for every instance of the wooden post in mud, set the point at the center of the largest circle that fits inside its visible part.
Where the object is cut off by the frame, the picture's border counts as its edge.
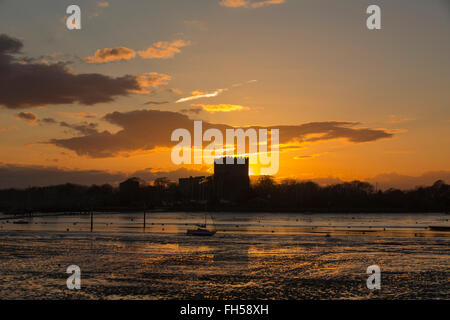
(145, 213)
(144, 219)
(92, 220)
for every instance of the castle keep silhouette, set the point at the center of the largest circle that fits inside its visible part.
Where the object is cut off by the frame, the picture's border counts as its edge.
(230, 182)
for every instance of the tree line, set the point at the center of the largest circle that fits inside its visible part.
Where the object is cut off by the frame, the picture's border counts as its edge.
(265, 194)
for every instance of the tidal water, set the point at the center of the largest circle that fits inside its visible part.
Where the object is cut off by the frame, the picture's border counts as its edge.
(252, 256)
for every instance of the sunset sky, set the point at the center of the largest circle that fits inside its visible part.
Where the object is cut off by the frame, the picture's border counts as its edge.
(99, 104)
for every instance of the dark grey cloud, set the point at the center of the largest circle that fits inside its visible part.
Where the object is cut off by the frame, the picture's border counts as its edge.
(194, 110)
(29, 84)
(155, 102)
(142, 130)
(399, 181)
(48, 121)
(173, 175)
(333, 130)
(9, 45)
(385, 181)
(149, 129)
(85, 128)
(27, 116)
(19, 176)
(16, 176)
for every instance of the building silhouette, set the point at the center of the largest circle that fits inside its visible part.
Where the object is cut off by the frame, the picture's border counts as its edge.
(130, 189)
(231, 180)
(192, 188)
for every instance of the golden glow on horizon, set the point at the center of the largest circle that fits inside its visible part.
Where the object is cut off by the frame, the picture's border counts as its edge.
(304, 75)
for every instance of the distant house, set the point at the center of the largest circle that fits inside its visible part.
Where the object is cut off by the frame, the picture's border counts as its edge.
(192, 188)
(130, 189)
(131, 184)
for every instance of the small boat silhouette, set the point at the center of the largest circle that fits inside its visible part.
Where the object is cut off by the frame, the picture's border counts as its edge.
(201, 231)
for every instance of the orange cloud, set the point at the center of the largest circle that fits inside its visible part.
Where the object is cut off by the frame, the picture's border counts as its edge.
(198, 93)
(111, 54)
(260, 4)
(163, 49)
(150, 79)
(221, 107)
(248, 3)
(234, 3)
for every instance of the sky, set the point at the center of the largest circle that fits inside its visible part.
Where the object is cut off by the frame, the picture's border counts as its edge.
(99, 104)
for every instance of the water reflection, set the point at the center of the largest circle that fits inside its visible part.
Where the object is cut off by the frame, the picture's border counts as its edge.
(381, 225)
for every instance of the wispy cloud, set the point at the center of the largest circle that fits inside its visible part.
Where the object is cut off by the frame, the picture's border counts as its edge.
(248, 3)
(309, 156)
(194, 110)
(79, 115)
(101, 5)
(240, 84)
(395, 119)
(85, 128)
(200, 25)
(212, 108)
(174, 91)
(260, 4)
(155, 102)
(198, 94)
(234, 3)
(201, 94)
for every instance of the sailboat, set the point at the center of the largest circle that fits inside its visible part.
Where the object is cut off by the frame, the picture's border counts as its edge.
(201, 231)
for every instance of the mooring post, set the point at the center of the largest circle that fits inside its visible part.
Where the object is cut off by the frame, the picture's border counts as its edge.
(144, 219)
(92, 220)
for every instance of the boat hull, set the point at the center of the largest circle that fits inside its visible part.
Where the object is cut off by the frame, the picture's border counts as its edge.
(201, 233)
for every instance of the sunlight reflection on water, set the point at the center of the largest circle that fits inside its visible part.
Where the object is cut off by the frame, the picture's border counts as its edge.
(179, 222)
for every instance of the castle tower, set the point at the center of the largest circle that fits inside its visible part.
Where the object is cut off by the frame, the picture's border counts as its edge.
(231, 179)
